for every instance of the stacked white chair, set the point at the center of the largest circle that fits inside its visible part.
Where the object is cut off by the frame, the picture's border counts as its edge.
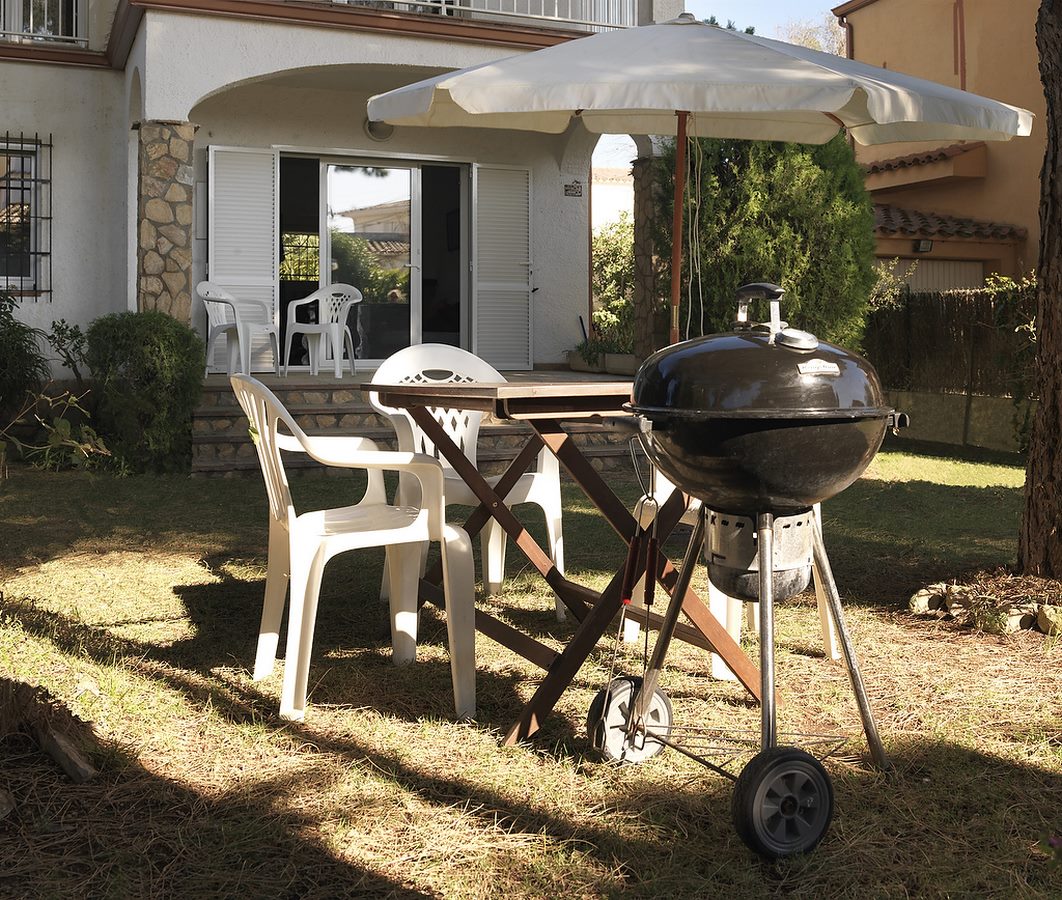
(300, 544)
(240, 321)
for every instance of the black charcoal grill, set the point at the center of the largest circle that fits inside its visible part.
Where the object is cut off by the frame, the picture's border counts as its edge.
(761, 424)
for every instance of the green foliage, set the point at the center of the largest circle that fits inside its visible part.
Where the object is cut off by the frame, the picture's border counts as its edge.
(69, 342)
(23, 367)
(53, 432)
(1014, 306)
(890, 286)
(791, 214)
(613, 315)
(356, 264)
(148, 369)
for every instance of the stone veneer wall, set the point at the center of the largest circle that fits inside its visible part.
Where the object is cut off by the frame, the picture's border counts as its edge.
(164, 212)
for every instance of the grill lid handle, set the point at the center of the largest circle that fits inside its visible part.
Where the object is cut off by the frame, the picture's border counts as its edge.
(761, 290)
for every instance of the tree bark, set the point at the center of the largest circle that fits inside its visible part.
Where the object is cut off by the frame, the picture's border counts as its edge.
(644, 300)
(1040, 541)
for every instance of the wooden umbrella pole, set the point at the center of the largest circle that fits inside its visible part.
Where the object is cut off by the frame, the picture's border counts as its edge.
(676, 223)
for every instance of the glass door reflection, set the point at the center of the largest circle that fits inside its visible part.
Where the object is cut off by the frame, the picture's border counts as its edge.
(370, 210)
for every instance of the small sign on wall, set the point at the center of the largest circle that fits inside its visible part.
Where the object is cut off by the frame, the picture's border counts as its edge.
(573, 188)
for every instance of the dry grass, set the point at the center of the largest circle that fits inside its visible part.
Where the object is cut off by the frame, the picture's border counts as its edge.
(135, 601)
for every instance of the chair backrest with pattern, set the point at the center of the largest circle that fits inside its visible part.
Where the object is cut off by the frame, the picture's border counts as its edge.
(434, 364)
(334, 302)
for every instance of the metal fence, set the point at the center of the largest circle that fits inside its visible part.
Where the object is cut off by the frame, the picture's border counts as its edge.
(581, 15)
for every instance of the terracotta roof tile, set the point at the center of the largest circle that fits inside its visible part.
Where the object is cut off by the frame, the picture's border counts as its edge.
(920, 159)
(891, 221)
(388, 247)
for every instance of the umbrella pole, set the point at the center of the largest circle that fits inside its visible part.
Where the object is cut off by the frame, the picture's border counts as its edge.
(676, 223)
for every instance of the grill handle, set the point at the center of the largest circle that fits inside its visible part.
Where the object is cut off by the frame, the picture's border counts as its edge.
(760, 290)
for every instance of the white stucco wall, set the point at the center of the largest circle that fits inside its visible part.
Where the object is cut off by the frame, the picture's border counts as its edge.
(82, 109)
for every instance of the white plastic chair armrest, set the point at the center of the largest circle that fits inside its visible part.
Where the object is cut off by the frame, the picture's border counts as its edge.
(294, 304)
(290, 443)
(427, 469)
(335, 447)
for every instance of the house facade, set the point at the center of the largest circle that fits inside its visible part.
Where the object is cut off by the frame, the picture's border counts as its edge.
(962, 211)
(145, 146)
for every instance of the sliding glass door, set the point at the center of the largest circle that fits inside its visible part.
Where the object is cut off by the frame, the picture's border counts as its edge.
(373, 243)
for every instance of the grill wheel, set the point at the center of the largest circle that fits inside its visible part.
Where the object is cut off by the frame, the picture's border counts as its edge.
(783, 802)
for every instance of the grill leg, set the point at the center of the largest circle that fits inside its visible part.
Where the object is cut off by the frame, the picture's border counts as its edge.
(822, 565)
(765, 540)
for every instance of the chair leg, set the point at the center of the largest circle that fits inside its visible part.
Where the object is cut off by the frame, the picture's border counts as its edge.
(337, 350)
(287, 351)
(385, 579)
(403, 600)
(274, 343)
(726, 610)
(232, 348)
(555, 539)
(349, 341)
(492, 551)
(459, 583)
(277, 576)
(306, 571)
(245, 352)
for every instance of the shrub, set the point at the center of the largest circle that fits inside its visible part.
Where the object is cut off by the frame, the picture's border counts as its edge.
(148, 369)
(613, 255)
(23, 368)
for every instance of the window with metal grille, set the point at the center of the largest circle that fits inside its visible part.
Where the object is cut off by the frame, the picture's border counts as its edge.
(25, 214)
(42, 20)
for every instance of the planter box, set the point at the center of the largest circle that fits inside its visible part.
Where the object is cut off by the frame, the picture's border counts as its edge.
(577, 364)
(621, 363)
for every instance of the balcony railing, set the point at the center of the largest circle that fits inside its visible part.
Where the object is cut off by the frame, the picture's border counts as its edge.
(576, 15)
(44, 21)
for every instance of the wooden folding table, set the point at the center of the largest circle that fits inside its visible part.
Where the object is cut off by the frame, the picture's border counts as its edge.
(545, 407)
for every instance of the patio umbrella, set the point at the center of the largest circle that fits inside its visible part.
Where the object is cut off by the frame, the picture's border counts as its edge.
(684, 77)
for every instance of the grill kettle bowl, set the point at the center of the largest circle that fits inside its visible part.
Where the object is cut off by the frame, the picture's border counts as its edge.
(760, 421)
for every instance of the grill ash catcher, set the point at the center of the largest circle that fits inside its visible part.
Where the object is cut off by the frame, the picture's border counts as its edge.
(761, 424)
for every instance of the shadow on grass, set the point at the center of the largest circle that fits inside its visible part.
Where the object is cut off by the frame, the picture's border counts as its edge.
(133, 833)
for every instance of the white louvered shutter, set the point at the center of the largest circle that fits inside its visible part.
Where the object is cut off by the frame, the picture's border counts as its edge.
(502, 266)
(242, 235)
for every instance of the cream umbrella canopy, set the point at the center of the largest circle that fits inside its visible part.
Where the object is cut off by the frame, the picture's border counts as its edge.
(687, 78)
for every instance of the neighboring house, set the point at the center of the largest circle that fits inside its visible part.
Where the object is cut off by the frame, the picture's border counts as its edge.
(148, 144)
(612, 194)
(967, 210)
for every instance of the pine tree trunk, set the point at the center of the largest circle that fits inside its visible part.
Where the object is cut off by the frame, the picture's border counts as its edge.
(1040, 541)
(644, 298)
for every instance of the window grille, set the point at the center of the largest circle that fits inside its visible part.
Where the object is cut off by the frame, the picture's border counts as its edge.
(26, 214)
(28, 21)
(299, 256)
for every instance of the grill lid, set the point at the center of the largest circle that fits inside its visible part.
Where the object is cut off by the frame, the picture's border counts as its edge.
(747, 374)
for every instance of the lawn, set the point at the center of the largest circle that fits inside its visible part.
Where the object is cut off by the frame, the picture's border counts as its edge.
(135, 601)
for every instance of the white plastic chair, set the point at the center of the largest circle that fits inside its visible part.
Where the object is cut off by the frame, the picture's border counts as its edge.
(442, 364)
(239, 321)
(300, 544)
(328, 335)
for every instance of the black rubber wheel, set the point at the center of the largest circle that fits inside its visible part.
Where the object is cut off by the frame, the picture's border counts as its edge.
(783, 802)
(606, 723)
